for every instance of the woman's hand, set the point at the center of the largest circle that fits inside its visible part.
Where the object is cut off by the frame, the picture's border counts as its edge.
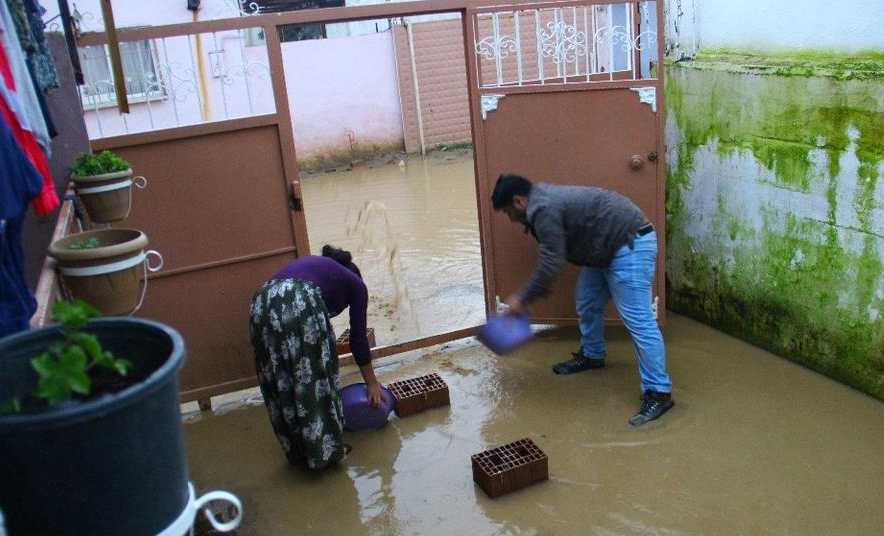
(514, 305)
(371, 385)
(374, 394)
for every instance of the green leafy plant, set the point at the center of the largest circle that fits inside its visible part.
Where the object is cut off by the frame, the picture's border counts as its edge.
(104, 162)
(88, 243)
(66, 369)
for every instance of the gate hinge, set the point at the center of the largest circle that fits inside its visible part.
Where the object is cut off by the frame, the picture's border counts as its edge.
(647, 95)
(489, 104)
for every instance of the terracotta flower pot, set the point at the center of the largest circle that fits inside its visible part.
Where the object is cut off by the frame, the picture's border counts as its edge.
(104, 268)
(107, 197)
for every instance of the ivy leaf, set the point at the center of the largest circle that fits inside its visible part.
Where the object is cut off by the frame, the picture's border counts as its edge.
(106, 360)
(63, 376)
(73, 315)
(12, 405)
(89, 343)
(72, 364)
(122, 366)
(54, 389)
(42, 364)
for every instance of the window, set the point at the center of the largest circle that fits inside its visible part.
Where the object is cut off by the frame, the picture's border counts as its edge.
(297, 32)
(301, 32)
(287, 33)
(139, 71)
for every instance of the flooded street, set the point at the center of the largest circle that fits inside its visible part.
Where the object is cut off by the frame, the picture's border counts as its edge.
(414, 233)
(754, 445)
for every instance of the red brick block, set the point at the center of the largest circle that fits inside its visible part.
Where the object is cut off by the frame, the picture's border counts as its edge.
(419, 394)
(510, 467)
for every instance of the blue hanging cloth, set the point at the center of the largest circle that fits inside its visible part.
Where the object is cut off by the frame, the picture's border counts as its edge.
(19, 183)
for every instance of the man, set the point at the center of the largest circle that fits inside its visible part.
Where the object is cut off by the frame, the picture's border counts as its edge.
(610, 237)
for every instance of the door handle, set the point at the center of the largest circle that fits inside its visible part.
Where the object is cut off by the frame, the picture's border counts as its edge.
(636, 162)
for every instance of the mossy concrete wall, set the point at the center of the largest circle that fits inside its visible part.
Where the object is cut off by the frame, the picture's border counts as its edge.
(775, 205)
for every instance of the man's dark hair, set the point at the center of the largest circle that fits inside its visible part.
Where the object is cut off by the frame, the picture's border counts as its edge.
(507, 187)
(342, 256)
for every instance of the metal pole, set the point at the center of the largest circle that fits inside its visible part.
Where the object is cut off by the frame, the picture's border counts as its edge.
(417, 91)
(392, 31)
(113, 44)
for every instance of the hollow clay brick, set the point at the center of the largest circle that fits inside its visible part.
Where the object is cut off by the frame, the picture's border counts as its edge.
(419, 394)
(342, 345)
(510, 467)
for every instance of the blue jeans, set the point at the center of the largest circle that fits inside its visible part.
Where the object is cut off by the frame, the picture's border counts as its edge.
(628, 281)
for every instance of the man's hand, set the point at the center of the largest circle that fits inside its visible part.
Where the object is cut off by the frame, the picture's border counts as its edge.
(515, 306)
(374, 394)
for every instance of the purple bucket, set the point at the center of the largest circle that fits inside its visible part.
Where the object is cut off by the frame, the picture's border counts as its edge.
(358, 413)
(504, 333)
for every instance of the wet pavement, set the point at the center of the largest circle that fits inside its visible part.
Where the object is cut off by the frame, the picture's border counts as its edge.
(754, 445)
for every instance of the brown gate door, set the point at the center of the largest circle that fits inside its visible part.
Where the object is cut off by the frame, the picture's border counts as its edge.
(565, 93)
(217, 209)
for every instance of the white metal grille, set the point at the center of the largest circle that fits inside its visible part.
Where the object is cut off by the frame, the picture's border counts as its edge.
(177, 81)
(561, 45)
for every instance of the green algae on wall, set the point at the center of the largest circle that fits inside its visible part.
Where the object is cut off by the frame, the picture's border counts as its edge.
(801, 272)
(806, 63)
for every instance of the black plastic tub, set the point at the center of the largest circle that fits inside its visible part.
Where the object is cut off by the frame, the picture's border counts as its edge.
(114, 464)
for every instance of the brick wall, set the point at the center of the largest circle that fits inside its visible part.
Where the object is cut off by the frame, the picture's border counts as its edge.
(442, 79)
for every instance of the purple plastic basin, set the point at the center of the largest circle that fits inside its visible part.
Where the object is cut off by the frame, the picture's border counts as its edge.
(504, 333)
(358, 413)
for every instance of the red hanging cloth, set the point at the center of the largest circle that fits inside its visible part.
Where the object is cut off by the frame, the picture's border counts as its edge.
(48, 200)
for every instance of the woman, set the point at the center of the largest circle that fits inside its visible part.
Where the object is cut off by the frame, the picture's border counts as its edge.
(295, 355)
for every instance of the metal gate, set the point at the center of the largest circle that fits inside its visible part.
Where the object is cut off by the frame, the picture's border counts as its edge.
(223, 202)
(566, 93)
(563, 91)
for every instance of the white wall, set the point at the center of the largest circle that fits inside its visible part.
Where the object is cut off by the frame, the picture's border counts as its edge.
(341, 90)
(128, 13)
(774, 25)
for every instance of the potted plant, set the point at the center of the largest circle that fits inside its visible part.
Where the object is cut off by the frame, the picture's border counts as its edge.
(105, 267)
(91, 443)
(104, 184)
(90, 429)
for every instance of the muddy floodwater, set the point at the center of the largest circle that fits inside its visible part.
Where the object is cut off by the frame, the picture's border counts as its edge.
(754, 445)
(413, 228)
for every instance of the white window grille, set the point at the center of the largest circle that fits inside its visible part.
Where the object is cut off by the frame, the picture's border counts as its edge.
(140, 73)
(548, 44)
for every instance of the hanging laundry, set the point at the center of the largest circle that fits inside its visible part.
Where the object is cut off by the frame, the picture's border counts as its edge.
(31, 118)
(28, 19)
(22, 26)
(17, 108)
(41, 60)
(40, 63)
(21, 182)
(27, 16)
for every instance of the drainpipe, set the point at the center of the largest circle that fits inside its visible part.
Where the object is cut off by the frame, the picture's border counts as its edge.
(417, 91)
(398, 80)
(201, 72)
